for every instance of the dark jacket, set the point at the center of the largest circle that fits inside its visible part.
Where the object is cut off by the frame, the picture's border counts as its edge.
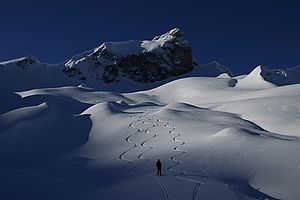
(158, 164)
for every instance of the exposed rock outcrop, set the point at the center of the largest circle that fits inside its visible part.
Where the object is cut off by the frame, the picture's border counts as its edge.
(142, 61)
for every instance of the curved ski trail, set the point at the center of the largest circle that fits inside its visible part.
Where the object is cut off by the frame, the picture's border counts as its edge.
(163, 188)
(178, 162)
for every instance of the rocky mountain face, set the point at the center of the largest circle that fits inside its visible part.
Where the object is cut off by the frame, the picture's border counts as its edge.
(281, 77)
(120, 66)
(24, 62)
(165, 57)
(142, 61)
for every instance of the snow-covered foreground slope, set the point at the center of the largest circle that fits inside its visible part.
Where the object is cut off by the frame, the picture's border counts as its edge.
(215, 141)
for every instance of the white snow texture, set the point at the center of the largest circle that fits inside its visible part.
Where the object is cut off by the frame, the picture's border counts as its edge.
(217, 137)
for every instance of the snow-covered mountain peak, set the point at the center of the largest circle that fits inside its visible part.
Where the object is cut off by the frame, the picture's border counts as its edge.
(256, 72)
(174, 35)
(136, 47)
(164, 58)
(23, 62)
(140, 60)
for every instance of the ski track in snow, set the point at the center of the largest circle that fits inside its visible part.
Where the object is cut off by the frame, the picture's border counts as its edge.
(163, 188)
(121, 156)
(178, 162)
(179, 173)
(178, 151)
(182, 173)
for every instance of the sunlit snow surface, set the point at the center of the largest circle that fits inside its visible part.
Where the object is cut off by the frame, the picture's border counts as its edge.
(215, 141)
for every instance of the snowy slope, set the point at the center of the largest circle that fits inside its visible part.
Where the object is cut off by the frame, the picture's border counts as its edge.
(69, 131)
(255, 80)
(215, 142)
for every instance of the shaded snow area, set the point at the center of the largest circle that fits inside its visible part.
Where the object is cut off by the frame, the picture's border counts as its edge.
(216, 140)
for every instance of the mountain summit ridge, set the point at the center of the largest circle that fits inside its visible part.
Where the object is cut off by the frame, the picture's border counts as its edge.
(159, 60)
(154, 62)
(143, 61)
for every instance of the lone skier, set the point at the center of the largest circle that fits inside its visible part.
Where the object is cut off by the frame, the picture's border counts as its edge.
(158, 166)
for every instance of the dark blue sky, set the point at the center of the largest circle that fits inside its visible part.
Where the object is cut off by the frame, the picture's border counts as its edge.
(239, 34)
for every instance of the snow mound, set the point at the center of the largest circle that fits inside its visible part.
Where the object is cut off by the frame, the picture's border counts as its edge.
(255, 80)
(264, 77)
(224, 75)
(35, 133)
(105, 108)
(160, 41)
(84, 86)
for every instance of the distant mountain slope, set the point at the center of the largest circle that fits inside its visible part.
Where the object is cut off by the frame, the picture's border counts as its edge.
(212, 69)
(281, 77)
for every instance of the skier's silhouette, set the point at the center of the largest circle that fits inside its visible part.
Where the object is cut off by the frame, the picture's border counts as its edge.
(158, 166)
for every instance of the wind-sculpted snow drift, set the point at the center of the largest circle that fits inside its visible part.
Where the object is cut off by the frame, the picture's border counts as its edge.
(218, 137)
